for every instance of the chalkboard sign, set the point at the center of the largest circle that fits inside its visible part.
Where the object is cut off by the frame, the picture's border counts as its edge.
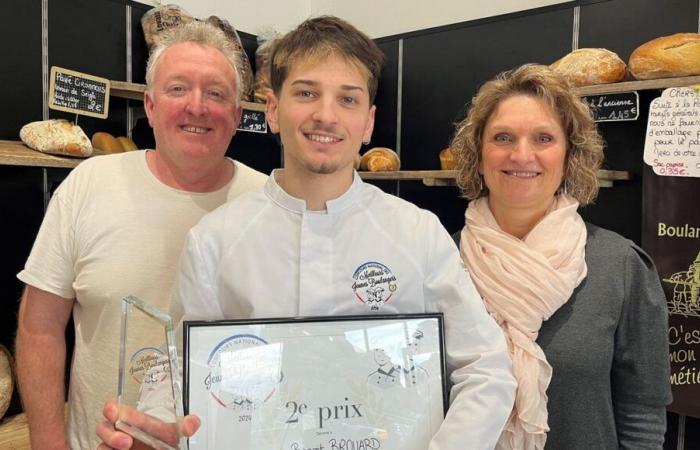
(79, 93)
(253, 121)
(614, 107)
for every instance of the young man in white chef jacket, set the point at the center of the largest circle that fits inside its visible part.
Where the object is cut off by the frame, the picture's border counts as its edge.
(298, 246)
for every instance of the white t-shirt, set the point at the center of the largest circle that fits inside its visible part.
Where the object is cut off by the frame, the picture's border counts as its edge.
(111, 230)
(264, 255)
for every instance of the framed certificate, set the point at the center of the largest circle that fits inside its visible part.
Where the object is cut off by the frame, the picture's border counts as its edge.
(331, 383)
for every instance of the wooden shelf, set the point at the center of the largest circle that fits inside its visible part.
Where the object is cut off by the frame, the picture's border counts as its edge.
(134, 91)
(447, 177)
(15, 153)
(628, 86)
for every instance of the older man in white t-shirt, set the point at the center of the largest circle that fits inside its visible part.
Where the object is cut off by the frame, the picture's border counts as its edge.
(116, 227)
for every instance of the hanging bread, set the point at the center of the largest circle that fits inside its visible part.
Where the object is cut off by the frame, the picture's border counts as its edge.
(160, 19)
(245, 70)
(677, 55)
(380, 159)
(587, 66)
(56, 136)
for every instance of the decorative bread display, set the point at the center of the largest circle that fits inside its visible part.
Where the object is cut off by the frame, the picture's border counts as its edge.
(587, 66)
(261, 87)
(162, 18)
(127, 144)
(56, 136)
(380, 159)
(245, 71)
(6, 379)
(677, 55)
(448, 160)
(106, 143)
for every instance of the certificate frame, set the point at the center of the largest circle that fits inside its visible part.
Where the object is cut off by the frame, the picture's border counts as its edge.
(316, 382)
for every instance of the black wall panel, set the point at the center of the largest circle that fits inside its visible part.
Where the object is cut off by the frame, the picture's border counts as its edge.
(139, 50)
(90, 36)
(443, 70)
(20, 53)
(21, 206)
(623, 25)
(384, 134)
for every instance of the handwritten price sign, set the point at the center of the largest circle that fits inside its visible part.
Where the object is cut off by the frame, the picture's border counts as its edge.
(672, 145)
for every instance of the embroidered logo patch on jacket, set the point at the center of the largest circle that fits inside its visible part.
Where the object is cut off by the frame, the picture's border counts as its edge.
(374, 284)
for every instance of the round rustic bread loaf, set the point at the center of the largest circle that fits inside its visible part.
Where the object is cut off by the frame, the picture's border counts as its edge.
(677, 55)
(56, 136)
(587, 66)
(380, 159)
(6, 379)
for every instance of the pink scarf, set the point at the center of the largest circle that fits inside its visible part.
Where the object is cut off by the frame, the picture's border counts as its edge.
(523, 282)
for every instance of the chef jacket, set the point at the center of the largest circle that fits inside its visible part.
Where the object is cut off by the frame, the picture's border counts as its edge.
(265, 255)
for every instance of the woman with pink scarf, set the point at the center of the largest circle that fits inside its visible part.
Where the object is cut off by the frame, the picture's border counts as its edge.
(581, 307)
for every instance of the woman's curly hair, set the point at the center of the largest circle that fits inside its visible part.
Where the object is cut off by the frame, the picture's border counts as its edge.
(584, 152)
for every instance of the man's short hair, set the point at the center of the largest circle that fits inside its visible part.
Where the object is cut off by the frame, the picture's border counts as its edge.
(201, 33)
(320, 38)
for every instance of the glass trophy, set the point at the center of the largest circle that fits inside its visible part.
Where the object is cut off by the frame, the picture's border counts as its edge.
(149, 391)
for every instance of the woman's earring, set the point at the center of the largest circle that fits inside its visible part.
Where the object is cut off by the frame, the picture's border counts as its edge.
(564, 189)
(481, 183)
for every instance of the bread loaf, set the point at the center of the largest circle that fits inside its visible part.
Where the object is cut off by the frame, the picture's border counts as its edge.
(106, 143)
(245, 70)
(448, 160)
(262, 87)
(6, 379)
(127, 144)
(160, 19)
(587, 66)
(58, 137)
(380, 159)
(677, 55)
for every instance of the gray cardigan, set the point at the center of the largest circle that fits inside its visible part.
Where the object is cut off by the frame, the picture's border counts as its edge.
(608, 348)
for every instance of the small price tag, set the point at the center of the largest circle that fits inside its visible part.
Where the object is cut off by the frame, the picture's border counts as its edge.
(614, 107)
(253, 121)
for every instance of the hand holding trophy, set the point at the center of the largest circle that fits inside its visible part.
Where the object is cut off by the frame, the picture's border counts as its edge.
(149, 406)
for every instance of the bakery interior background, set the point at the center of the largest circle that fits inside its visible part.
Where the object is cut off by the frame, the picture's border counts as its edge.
(436, 59)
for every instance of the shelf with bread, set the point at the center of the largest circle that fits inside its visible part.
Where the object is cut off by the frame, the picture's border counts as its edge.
(628, 86)
(134, 91)
(447, 177)
(15, 153)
